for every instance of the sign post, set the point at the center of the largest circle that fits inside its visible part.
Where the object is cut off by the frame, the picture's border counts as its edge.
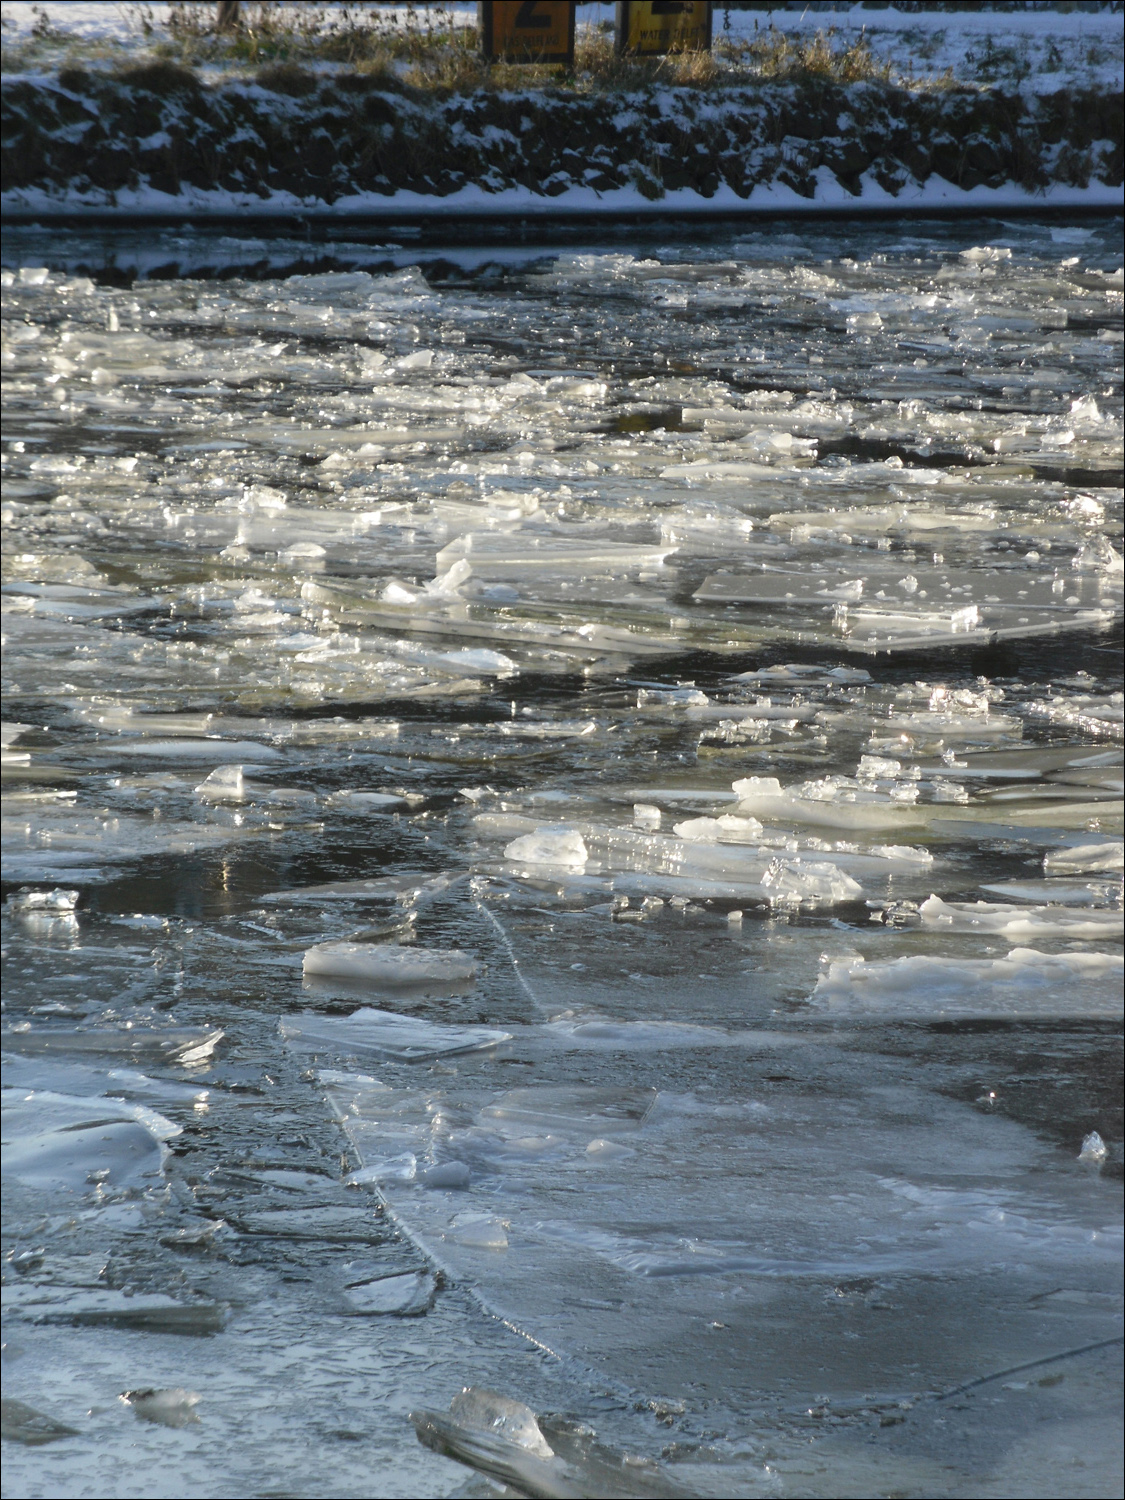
(650, 28)
(527, 31)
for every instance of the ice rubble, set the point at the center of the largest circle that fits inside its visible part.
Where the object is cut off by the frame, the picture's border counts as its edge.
(339, 582)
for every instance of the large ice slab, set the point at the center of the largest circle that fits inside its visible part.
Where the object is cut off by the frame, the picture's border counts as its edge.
(1023, 985)
(386, 1034)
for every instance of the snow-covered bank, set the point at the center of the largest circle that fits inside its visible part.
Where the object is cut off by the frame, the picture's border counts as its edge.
(156, 139)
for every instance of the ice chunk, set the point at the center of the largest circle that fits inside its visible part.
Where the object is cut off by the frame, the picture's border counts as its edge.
(1085, 859)
(640, 1036)
(52, 1074)
(1060, 891)
(503, 1439)
(406, 1294)
(586, 1109)
(478, 1232)
(503, 1418)
(1093, 1148)
(383, 1033)
(225, 784)
(387, 964)
(402, 1168)
(173, 1406)
(792, 881)
(153, 1312)
(405, 889)
(1015, 922)
(176, 1044)
(833, 802)
(446, 1174)
(549, 845)
(53, 903)
(10, 732)
(368, 802)
(1025, 983)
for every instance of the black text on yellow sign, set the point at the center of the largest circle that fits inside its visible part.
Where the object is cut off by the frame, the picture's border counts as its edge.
(538, 31)
(652, 27)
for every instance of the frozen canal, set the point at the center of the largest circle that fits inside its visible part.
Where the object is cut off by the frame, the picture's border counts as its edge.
(563, 835)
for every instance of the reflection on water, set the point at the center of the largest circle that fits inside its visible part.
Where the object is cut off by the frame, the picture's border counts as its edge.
(563, 834)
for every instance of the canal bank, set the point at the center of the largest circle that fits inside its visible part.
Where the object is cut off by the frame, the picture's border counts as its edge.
(160, 140)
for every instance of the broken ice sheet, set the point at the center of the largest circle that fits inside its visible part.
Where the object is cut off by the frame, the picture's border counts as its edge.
(580, 1179)
(23, 1424)
(153, 1312)
(63, 1142)
(385, 1034)
(173, 1044)
(54, 841)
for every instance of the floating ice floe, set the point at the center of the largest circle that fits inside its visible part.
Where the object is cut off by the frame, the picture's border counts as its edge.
(1059, 891)
(57, 841)
(1024, 984)
(387, 964)
(152, 1312)
(405, 889)
(1085, 859)
(561, 1217)
(1015, 922)
(175, 1044)
(548, 846)
(23, 1424)
(382, 1033)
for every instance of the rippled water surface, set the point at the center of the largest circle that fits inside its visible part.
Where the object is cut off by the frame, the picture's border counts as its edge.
(563, 834)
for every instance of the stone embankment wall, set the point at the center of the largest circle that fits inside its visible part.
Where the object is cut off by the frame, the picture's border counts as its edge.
(86, 138)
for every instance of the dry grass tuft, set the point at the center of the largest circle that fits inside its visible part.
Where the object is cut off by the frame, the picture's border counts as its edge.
(425, 48)
(772, 54)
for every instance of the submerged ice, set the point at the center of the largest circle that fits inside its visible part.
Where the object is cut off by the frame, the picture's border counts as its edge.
(574, 800)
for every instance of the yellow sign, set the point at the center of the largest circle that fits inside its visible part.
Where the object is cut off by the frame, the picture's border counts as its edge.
(536, 31)
(651, 27)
